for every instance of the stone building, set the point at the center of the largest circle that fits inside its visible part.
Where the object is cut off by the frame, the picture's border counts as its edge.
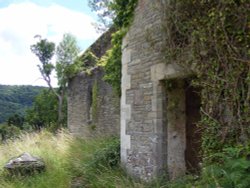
(159, 108)
(93, 108)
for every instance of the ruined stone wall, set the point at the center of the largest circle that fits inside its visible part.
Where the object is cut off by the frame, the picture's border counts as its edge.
(143, 138)
(153, 140)
(93, 108)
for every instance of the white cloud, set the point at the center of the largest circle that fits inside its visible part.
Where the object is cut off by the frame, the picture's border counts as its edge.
(20, 23)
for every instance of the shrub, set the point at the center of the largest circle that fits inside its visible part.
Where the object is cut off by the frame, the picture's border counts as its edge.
(230, 168)
(108, 156)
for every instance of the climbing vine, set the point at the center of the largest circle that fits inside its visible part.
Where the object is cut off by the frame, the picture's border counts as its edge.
(112, 62)
(213, 37)
(124, 10)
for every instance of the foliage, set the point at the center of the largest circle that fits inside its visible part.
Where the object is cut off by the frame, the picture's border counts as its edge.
(44, 50)
(112, 66)
(16, 120)
(213, 37)
(9, 132)
(43, 113)
(86, 62)
(117, 12)
(230, 169)
(95, 163)
(108, 156)
(16, 99)
(105, 15)
(66, 53)
(121, 13)
(124, 12)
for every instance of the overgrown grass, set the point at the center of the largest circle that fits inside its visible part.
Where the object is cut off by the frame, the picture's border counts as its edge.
(54, 151)
(72, 162)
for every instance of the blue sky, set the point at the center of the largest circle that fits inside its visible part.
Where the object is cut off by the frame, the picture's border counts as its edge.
(21, 20)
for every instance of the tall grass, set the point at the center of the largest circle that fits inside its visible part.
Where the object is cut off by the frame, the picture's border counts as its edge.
(75, 163)
(70, 162)
(53, 149)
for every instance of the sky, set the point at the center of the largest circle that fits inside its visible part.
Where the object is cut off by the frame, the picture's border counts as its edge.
(21, 20)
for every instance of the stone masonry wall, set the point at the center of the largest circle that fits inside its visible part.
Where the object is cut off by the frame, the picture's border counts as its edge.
(93, 108)
(86, 119)
(150, 145)
(143, 136)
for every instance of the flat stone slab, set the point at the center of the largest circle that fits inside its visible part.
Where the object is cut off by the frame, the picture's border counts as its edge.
(25, 164)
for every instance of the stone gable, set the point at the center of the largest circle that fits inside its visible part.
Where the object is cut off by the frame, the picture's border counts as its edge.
(93, 108)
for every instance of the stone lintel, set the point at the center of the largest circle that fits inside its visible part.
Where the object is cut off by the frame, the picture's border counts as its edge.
(163, 71)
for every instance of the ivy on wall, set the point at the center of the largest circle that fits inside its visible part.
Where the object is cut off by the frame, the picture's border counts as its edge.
(112, 62)
(213, 37)
(124, 11)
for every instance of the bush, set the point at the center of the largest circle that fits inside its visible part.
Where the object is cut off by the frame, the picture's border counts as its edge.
(230, 168)
(9, 131)
(95, 163)
(108, 156)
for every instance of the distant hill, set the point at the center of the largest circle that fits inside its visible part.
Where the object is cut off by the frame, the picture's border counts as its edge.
(16, 99)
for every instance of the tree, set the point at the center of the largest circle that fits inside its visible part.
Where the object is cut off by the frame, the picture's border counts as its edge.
(16, 120)
(44, 50)
(104, 13)
(113, 12)
(43, 113)
(7, 132)
(66, 54)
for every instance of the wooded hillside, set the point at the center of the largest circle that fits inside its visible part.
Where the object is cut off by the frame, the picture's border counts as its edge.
(16, 99)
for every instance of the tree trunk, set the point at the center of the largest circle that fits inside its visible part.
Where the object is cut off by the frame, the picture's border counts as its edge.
(60, 97)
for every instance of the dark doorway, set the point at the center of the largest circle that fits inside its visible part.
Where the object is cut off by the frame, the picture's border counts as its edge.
(193, 133)
(183, 135)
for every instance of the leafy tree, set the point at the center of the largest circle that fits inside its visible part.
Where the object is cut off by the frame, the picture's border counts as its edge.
(117, 12)
(104, 13)
(44, 50)
(16, 120)
(43, 113)
(66, 54)
(7, 131)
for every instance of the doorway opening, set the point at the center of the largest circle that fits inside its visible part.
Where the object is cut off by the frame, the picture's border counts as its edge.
(183, 134)
(193, 132)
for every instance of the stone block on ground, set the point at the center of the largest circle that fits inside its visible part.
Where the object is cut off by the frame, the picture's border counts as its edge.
(25, 164)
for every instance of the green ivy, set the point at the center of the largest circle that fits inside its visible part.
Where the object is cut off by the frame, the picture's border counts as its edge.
(112, 64)
(214, 37)
(124, 11)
